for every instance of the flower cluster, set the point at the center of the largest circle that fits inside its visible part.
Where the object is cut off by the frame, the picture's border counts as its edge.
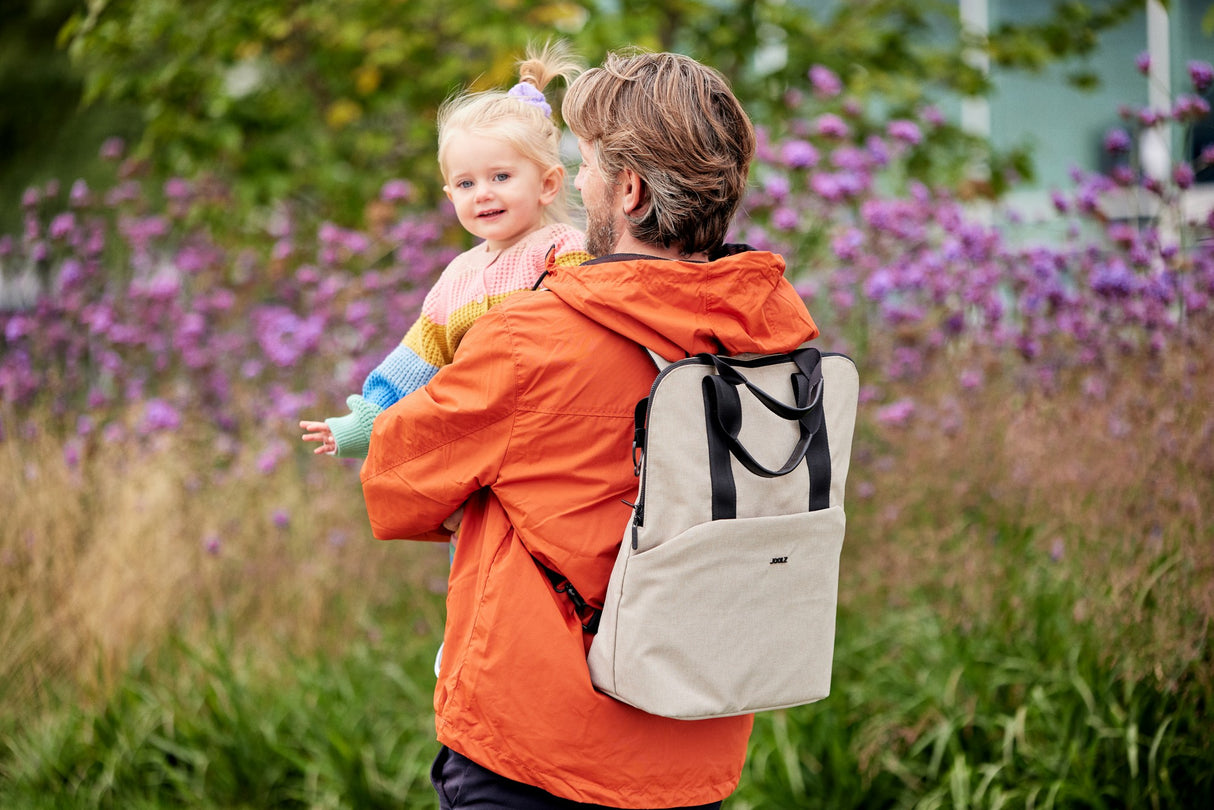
(123, 315)
(906, 273)
(121, 311)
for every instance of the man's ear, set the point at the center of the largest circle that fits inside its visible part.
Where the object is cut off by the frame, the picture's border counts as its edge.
(550, 184)
(634, 197)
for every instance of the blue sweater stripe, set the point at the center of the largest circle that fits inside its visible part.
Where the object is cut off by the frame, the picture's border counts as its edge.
(400, 373)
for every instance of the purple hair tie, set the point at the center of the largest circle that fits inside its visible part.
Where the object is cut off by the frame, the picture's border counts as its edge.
(528, 92)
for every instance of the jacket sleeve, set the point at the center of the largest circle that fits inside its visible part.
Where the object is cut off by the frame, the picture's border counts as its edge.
(430, 451)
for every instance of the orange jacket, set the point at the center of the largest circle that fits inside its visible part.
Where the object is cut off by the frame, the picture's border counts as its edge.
(532, 426)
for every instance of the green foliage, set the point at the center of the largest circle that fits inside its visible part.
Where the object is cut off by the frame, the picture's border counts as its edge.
(323, 101)
(206, 730)
(1019, 707)
(43, 132)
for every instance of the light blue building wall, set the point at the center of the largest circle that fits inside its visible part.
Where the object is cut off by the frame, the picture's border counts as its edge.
(1064, 125)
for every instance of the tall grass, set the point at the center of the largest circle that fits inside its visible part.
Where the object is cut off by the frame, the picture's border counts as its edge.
(1023, 623)
(105, 560)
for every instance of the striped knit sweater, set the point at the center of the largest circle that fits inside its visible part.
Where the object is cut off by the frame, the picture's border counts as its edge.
(472, 283)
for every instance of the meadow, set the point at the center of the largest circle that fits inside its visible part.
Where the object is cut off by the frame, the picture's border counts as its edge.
(193, 612)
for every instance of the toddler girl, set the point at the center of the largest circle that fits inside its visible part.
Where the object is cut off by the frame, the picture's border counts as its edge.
(499, 153)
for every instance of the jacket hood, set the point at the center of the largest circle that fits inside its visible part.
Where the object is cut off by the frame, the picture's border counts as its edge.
(738, 303)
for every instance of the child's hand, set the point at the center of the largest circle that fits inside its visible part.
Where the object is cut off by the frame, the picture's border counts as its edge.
(452, 522)
(320, 432)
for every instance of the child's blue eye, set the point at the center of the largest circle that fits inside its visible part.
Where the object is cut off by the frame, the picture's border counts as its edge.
(500, 176)
(464, 184)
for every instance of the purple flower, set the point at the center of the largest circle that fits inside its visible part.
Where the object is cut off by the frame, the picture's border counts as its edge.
(79, 195)
(62, 225)
(847, 244)
(1150, 117)
(395, 191)
(71, 453)
(1190, 109)
(1202, 74)
(878, 152)
(830, 125)
(905, 131)
(1183, 175)
(1143, 63)
(799, 154)
(176, 188)
(70, 273)
(355, 242)
(211, 544)
(251, 368)
(879, 285)
(931, 115)
(828, 186)
(358, 312)
(281, 518)
(112, 149)
(284, 336)
(1124, 176)
(896, 414)
(160, 415)
(777, 186)
(825, 82)
(31, 197)
(784, 218)
(328, 233)
(852, 158)
(191, 259)
(16, 328)
(271, 457)
(1113, 280)
(1117, 142)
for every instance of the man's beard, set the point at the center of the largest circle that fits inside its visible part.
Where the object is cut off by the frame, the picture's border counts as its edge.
(601, 233)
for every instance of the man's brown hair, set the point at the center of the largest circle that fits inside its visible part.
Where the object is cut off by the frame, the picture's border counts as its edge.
(676, 123)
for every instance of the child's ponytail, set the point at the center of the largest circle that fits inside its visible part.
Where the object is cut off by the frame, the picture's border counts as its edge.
(543, 64)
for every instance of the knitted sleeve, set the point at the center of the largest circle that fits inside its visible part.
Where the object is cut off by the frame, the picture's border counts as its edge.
(352, 432)
(463, 293)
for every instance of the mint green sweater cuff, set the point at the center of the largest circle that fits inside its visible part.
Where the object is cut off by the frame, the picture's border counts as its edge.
(352, 432)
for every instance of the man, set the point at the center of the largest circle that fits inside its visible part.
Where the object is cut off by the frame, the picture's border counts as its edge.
(531, 426)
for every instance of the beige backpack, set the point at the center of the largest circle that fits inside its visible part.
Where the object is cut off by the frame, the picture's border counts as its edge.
(722, 599)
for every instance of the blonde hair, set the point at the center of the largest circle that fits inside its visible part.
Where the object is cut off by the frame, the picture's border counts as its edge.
(676, 123)
(522, 124)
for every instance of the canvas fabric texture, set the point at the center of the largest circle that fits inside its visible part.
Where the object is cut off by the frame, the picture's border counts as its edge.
(724, 604)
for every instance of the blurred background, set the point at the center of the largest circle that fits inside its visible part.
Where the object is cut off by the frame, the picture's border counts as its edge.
(217, 217)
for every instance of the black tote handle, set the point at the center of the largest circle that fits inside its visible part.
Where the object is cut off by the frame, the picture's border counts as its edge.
(724, 408)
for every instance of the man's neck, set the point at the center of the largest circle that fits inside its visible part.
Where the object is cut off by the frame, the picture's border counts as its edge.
(627, 243)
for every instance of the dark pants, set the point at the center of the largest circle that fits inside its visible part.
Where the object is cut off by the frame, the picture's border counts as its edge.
(464, 785)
